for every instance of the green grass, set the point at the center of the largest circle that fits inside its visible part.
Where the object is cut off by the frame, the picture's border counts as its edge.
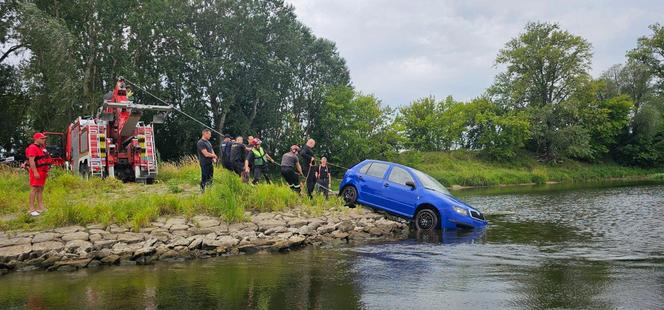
(464, 168)
(72, 200)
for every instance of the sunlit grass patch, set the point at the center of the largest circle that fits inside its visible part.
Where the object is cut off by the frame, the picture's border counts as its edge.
(72, 200)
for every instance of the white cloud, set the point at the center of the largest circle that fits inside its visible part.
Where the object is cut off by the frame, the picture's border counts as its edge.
(403, 50)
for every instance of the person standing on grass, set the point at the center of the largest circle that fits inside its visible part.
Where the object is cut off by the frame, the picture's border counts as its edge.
(38, 161)
(207, 158)
(238, 155)
(290, 168)
(308, 161)
(226, 152)
(323, 177)
(258, 160)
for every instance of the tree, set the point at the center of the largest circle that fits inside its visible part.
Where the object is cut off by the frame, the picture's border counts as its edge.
(497, 133)
(355, 127)
(545, 66)
(650, 52)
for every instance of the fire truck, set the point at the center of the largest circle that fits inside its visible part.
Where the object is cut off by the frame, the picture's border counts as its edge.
(115, 143)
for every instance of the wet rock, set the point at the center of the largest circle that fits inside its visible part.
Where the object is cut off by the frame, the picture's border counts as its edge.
(161, 235)
(345, 226)
(297, 223)
(130, 237)
(103, 244)
(15, 241)
(47, 246)
(144, 251)
(339, 234)
(195, 243)
(46, 236)
(276, 230)
(14, 251)
(326, 229)
(178, 241)
(71, 265)
(182, 233)
(110, 259)
(306, 230)
(80, 235)
(228, 241)
(80, 246)
(93, 264)
(121, 248)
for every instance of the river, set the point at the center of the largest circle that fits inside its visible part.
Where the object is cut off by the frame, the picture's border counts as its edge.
(552, 247)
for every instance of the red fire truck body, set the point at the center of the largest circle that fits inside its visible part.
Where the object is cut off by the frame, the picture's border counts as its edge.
(115, 143)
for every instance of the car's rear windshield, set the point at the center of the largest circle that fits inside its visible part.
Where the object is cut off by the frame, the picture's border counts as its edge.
(430, 183)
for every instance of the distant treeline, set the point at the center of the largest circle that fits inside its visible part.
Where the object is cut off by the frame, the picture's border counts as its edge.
(546, 102)
(251, 68)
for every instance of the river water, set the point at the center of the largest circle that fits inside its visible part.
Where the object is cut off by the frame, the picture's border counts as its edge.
(554, 247)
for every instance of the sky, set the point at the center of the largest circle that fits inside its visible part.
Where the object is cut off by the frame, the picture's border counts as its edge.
(401, 50)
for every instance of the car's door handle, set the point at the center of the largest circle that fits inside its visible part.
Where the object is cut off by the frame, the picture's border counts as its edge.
(386, 185)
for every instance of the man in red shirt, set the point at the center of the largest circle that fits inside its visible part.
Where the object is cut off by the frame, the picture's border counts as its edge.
(38, 160)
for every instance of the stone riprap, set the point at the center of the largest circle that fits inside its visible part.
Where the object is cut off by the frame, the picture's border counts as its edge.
(177, 238)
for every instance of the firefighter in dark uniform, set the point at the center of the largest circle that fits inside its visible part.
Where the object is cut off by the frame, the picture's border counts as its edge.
(290, 168)
(258, 159)
(226, 152)
(308, 161)
(238, 155)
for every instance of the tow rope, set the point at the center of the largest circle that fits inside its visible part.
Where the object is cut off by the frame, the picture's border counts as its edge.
(203, 124)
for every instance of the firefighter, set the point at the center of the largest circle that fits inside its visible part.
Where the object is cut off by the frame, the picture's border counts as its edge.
(38, 161)
(290, 168)
(225, 151)
(206, 158)
(323, 177)
(238, 155)
(308, 161)
(258, 159)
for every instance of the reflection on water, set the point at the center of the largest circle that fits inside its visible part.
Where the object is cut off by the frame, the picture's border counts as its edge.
(589, 248)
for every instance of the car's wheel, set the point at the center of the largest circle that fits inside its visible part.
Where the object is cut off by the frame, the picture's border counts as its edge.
(349, 194)
(426, 219)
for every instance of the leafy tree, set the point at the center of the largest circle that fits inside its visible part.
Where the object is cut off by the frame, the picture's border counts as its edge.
(650, 52)
(545, 66)
(498, 134)
(355, 127)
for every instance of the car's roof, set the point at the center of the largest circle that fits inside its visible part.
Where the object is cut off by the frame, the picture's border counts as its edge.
(385, 162)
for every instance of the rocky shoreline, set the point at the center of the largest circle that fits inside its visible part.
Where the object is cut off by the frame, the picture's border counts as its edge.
(177, 238)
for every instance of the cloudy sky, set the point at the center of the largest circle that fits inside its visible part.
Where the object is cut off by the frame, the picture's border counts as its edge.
(400, 50)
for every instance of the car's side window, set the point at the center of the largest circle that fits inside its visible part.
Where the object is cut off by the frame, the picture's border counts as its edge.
(364, 168)
(400, 176)
(377, 170)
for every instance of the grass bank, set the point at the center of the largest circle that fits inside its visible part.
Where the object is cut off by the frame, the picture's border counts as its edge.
(464, 168)
(72, 200)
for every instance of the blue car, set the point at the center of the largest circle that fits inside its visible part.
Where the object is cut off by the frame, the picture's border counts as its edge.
(408, 193)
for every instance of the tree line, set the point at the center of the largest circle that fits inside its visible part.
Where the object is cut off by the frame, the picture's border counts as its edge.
(546, 102)
(251, 68)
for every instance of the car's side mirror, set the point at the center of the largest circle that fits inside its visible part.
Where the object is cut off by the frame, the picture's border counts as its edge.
(411, 184)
